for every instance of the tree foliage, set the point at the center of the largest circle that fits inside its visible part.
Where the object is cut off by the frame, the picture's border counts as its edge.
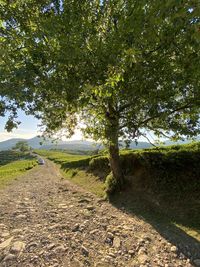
(120, 68)
(21, 146)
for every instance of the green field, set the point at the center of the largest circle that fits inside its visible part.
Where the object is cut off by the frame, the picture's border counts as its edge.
(60, 157)
(13, 164)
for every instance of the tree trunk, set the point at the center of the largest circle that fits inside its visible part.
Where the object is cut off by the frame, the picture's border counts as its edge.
(114, 157)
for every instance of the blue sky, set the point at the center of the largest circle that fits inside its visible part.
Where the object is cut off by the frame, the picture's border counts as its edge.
(27, 129)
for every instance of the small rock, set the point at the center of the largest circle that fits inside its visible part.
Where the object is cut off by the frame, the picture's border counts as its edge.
(173, 249)
(86, 213)
(9, 257)
(60, 249)
(110, 236)
(131, 252)
(85, 251)
(51, 246)
(6, 243)
(17, 247)
(84, 200)
(143, 258)
(31, 246)
(142, 251)
(5, 234)
(21, 216)
(17, 231)
(94, 231)
(116, 242)
(89, 207)
(197, 262)
(102, 264)
(54, 226)
(112, 255)
(76, 227)
(108, 258)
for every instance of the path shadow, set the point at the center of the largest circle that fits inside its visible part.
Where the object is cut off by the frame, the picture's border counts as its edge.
(170, 222)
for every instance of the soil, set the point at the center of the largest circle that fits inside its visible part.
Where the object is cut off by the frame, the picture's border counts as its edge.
(47, 221)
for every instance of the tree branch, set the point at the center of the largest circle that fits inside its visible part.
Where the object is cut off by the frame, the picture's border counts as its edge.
(171, 112)
(148, 140)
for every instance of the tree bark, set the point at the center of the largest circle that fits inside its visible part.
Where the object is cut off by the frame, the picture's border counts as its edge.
(115, 164)
(114, 157)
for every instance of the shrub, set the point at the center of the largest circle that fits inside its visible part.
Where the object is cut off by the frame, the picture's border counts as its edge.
(110, 185)
(100, 163)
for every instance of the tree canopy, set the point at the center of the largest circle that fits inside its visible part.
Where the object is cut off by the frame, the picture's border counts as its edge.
(22, 146)
(120, 68)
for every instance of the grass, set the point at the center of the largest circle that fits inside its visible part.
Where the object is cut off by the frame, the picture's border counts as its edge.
(61, 157)
(13, 164)
(86, 180)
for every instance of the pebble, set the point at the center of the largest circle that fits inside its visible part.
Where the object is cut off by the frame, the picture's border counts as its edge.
(143, 258)
(116, 242)
(51, 246)
(131, 252)
(60, 249)
(17, 231)
(17, 247)
(110, 236)
(6, 243)
(9, 257)
(173, 249)
(85, 251)
(94, 231)
(89, 207)
(76, 227)
(21, 216)
(5, 234)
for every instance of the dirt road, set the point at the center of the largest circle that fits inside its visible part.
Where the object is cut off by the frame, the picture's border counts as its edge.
(46, 221)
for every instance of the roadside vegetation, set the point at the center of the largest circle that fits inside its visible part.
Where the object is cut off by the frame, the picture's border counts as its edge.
(13, 164)
(162, 184)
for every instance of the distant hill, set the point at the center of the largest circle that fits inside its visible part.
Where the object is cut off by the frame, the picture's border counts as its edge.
(8, 144)
(39, 143)
(180, 142)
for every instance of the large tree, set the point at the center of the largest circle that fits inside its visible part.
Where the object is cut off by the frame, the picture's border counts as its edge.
(120, 68)
(22, 146)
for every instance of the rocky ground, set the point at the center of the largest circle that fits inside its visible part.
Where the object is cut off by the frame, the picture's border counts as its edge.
(46, 221)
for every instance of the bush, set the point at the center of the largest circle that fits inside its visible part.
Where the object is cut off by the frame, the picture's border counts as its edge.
(110, 185)
(81, 163)
(100, 163)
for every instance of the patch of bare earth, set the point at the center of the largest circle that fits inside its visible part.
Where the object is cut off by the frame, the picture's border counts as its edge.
(46, 221)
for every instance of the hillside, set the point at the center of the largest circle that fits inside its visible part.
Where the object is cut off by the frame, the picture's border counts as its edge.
(81, 145)
(75, 145)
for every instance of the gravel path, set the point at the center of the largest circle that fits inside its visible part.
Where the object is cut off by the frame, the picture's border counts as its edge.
(47, 221)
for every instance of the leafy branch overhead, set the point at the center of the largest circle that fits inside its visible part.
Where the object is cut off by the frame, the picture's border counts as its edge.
(120, 68)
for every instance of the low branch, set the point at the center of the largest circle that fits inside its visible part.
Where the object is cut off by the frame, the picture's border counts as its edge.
(148, 140)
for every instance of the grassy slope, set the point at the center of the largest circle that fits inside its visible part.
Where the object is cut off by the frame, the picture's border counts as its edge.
(13, 164)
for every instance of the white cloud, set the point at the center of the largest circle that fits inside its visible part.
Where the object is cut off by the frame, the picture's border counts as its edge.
(16, 134)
